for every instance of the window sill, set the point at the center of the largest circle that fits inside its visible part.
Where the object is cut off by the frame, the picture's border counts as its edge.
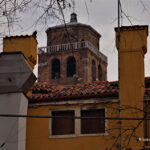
(94, 134)
(79, 135)
(63, 136)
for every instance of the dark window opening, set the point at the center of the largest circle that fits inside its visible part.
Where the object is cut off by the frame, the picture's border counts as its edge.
(63, 126)
(55, 69)
(93, 71)
(99, 72)
(91, 126)
(71, 67)
(83, 43)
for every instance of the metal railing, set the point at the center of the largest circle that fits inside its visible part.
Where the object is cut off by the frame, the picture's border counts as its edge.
(72, 47)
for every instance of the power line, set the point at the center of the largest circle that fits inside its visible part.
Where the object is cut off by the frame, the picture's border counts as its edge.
(71, 117)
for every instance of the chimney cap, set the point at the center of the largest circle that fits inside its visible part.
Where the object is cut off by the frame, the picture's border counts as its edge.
(130, 28)
(73, 17)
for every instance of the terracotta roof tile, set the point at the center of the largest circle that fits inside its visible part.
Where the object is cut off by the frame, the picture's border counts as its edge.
(44, 92)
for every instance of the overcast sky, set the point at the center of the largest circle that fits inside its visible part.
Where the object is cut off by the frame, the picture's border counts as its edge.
(102, 16)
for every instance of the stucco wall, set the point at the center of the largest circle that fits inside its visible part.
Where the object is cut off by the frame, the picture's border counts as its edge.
(133, 46)
(13, 130)
(26, 44)
(38, 134)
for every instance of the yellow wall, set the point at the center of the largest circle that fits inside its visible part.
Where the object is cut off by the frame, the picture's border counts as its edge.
(133, 46)
(38, 131)
(26, 44)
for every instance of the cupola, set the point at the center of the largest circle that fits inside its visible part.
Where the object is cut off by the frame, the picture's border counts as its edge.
(73, 17)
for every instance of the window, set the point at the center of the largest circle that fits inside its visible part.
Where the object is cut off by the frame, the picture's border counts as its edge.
(99, 72)
(93, 71)
(71, 66)
(62, 126)
(91, 126)
(82, 43)
(71, 127)
(55, 69)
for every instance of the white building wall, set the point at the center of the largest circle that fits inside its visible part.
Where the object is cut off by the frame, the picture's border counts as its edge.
(13, 130)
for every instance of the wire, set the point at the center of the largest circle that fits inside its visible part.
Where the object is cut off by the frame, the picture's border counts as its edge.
(72, 117)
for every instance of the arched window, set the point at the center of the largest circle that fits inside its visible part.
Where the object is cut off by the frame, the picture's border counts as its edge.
(71, 66)
(99, 72)
(55, 69)
(93, 71)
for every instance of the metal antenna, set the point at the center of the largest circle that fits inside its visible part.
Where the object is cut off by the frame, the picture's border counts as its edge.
(120, 138)
(73, 3)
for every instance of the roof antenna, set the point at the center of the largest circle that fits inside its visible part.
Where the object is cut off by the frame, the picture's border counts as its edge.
(73, 15)
(73, 6)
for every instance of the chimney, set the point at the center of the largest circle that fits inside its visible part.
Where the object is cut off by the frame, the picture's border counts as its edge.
(27, 44)
(16, 79)
(133, 47)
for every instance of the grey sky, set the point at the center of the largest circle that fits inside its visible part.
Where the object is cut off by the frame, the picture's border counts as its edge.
(101, 15)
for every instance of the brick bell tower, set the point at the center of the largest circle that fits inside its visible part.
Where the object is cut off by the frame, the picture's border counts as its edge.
(72, 55)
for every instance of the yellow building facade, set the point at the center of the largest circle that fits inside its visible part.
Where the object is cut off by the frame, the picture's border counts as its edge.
(40, 136)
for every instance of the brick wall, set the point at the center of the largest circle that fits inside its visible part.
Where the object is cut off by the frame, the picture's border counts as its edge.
(84, 57)
(83, 67)
(70, 34)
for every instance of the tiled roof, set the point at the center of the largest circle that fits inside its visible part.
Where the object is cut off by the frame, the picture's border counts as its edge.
(44, 92)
